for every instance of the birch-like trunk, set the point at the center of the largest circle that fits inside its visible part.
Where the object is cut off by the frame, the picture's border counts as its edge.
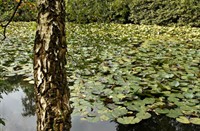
(51, 90)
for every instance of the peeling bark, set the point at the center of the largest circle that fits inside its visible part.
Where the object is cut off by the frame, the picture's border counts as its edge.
(51, 90)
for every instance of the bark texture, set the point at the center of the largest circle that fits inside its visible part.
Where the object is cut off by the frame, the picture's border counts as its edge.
(51, 90)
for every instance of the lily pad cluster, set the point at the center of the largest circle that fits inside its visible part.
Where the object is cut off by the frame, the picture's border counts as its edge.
(120, 72)
(127, 72)
(16, 51)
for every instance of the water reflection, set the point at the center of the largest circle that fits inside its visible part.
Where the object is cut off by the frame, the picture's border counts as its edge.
(28, 102)
(18, 110)
(11, 109)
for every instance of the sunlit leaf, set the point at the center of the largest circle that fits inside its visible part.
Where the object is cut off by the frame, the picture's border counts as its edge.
(183, 119)
(195, 121)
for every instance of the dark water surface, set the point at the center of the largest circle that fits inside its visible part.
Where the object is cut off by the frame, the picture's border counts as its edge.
(12, 109)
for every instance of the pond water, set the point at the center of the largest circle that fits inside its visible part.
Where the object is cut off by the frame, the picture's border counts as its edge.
(17, 117)
(11, 109)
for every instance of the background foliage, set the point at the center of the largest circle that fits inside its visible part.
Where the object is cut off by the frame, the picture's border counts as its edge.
(160, 12)
(26, 12)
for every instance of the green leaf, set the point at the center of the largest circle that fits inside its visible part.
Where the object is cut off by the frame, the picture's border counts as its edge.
(189, 95)
(143, 115)
(134, 107)
(175, 83)
(149, 100)
(183, 119)
(162, 111)
(121, 96)
(174, 113)
(195, 121)
(166, 87)
(128, 120)
(120, 111)
(104, 118)
(169, 75)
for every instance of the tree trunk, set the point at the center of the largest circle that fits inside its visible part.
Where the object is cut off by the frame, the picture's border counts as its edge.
(51, 90)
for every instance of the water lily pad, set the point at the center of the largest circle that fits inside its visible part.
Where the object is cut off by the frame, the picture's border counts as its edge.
(121, 96)
(175, 83)
(162, 111)
(174, 113)
(120, 111)
(149, 100)
(143, 115)
(189, 95)
(195, 121)
(183, 119)
(128, 120)
(104, 118)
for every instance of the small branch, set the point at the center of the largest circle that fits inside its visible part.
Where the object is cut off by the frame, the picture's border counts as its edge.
(6, 25)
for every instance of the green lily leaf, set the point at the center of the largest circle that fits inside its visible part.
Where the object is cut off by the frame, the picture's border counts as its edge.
(195, 121)
(128, 120)
(183, 119)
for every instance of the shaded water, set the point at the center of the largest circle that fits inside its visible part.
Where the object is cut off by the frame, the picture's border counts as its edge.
(16, 108)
